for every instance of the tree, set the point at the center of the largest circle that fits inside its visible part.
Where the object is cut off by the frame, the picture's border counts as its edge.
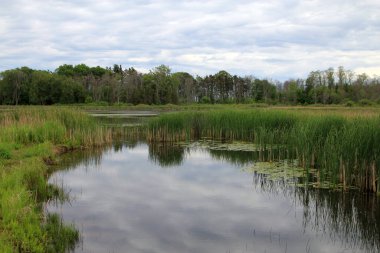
(82, 70)
(311, 83)
(40, 91)
(14, 83)
(133, 87)
(263, 90)
(97, 71)
(164, 86)
(330, 78)
(71, 91)
(291, 91)
(241, 87)
(224, 85)
(187, 86)
(65, 70)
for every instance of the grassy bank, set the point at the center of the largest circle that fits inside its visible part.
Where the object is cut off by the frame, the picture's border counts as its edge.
(341, 109)
(30, 139)
(342, 147)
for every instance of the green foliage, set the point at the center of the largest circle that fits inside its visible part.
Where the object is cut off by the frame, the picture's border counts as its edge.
(205, 100)
(88, 100)
(76, 84)
(5, 151)
(349, 103)
(65, 70)
(365, 102)
(60, 237)
(20, 216)
(27, 139)
(44, 149)
(21, 191)
(55, 125)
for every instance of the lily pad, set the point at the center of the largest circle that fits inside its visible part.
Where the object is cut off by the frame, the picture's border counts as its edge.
(287, 170)
(230, 146)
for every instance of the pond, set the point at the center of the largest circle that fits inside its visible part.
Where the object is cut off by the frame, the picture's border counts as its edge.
(138, 197)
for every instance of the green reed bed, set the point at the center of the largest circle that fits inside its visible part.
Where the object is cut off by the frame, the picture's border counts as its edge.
(344, 150)
(225, 124)
(30, 138)
(57, 125)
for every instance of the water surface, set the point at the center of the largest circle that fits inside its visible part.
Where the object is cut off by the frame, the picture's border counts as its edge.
(140, 198)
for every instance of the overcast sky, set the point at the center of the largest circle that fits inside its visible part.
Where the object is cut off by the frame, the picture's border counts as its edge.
(276, 39)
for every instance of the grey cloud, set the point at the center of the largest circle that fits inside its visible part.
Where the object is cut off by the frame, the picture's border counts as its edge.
(240, 36)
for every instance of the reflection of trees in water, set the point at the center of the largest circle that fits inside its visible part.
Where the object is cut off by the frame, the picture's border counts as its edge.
(238, 157)
(348, 218)
(244, 157)
(120, 145)
(166, 154)
(170, 154)
(351, 219)
(86, 157)
(90, 157)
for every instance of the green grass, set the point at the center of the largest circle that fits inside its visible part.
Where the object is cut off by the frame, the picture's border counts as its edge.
(30, 138)
(31, 125)
(343, 147)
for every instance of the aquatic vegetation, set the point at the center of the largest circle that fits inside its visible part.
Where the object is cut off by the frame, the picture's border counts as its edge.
(61, 237)
(218, 145)
(344, 149)
(284, 170)
(29, 141)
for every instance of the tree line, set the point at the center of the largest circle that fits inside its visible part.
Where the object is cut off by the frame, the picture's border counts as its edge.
(70, 84)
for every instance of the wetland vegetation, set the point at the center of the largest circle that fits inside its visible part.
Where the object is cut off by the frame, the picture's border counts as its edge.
(342, 149)
(313, 152)
(30, 139)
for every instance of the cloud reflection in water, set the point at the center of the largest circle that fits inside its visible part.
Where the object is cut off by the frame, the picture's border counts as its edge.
(201, 204)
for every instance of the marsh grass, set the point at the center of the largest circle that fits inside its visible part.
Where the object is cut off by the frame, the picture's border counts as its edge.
(30, 125)
(343, 148)
(29, 137)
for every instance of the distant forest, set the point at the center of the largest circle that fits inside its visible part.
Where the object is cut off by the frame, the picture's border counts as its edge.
(70, 84)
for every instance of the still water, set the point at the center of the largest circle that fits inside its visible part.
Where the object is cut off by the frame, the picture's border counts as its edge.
(135, 197)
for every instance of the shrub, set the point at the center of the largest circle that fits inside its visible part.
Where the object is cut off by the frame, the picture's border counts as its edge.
(365, 102)
(5, 154)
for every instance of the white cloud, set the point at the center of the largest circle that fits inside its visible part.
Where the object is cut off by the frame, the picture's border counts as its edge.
(278, 39)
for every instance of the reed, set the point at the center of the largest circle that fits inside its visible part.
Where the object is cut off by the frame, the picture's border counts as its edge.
(30, 125)
(30, 137)
(343, 148)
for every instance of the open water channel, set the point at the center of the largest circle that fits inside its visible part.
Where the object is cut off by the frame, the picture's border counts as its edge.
(139, 197)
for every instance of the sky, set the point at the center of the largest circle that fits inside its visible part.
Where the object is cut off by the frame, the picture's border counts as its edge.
(277, 39)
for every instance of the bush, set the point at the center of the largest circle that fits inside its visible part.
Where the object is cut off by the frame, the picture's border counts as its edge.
(88, 100)
(349, 103)
(5, 151)
(365, 102)
(205, 100)
(5, 154)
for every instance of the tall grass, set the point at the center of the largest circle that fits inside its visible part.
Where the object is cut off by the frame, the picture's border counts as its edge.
(345, 150)
(29, 137)
(30, 125)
